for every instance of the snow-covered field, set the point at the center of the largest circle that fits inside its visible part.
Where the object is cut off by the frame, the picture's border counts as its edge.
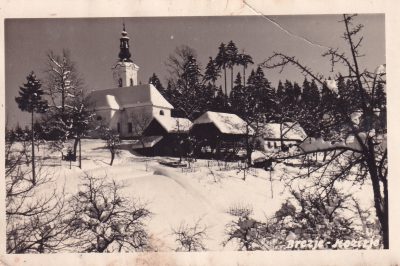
(175, 196)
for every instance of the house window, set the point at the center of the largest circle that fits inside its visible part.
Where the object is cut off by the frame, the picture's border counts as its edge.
(129, 127)
(161, 112)
(269, 145)
(118, 127)
(120, 82)
(131, 80)
(98, 118)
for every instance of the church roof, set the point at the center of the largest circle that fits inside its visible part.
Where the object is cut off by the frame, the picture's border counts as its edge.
(225, 122)
(133, 96)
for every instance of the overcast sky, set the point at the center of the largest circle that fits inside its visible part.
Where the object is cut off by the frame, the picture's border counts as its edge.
(94, 45)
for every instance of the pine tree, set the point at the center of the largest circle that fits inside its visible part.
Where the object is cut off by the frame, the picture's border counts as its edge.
(259, 97)
(188, 91)
(191, 73)
(30, 100)
(232, 58)
(289, 93)
(221, 61)
(296, 93)
(280, 91)
(244, 60)
(281, 108)
(219, 103)
(328, 97)
(310, 97)
(379, 96)
(157, 83)
(237, 95)
(310, 115)
(212, 73)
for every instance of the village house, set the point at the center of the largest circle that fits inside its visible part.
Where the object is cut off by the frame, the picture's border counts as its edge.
(220, 132)
(164, 136)
(128, 103)
(282, 135)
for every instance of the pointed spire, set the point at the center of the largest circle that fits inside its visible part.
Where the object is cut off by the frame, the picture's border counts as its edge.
(124, 53)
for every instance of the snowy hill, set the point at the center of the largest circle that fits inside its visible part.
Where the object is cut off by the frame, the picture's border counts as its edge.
(175, 195)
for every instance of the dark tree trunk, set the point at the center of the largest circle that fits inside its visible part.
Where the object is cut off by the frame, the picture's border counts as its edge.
(76, 142)
(380, 202)
(112, 158)
(231, 79)
(80, 154)
(249, 149)
(226, 90)
(62, 100)
(244, 76)
(33, 150)
(385, 220)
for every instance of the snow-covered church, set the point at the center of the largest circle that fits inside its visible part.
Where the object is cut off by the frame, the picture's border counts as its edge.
(128, 103)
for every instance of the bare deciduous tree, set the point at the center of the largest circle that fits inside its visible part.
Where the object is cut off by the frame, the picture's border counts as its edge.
(112, 141)
(358, 151)
(70, 113)
(245, 231)
(35, 218)
(106, 221)
(190, 238)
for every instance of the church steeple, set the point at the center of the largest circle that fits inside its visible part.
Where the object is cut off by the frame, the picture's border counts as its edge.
(125, 71)
(124, 54)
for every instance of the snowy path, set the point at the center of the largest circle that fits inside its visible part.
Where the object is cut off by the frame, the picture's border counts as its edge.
(183, 182)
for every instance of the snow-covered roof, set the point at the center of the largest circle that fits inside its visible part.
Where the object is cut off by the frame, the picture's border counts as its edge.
(132, 96)
(174, 124)
(112, 102)
(226, 123)
(290, 131)
(146, 142)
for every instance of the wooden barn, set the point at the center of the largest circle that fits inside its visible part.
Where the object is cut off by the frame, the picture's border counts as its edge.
(219, 133)
(163, 136)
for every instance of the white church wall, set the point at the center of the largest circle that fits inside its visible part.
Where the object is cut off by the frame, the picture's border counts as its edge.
(108, 117)
(157, 111)
(125, 74)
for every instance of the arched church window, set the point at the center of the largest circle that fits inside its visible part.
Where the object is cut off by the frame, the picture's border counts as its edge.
(131, 80)
(120, 82)
(161, 112)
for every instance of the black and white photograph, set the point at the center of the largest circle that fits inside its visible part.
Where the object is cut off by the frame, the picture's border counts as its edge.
(196, 134)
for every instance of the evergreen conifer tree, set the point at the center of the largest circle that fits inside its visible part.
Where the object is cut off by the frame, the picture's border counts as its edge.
(157, 83)
(211, 73)
(244, 60)
(232, 58)
(221, 61)
(30, 100)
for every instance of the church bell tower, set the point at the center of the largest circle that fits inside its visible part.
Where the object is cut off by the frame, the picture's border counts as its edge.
(125, 71)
